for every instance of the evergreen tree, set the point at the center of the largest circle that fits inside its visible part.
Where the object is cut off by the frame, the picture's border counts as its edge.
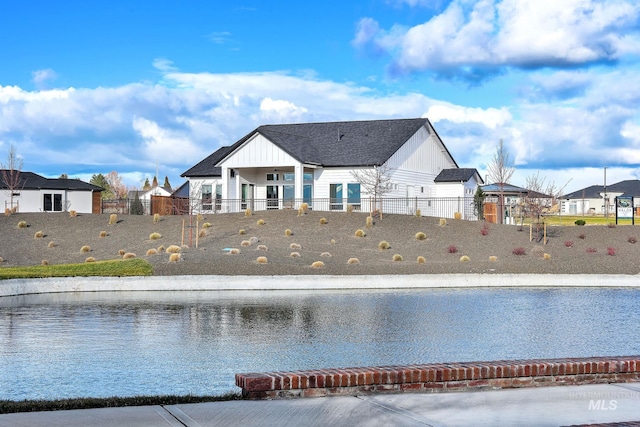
(101, 181)
(136, 206)
(155, 182)
(478, 203)
(166, 182)
(146, 185)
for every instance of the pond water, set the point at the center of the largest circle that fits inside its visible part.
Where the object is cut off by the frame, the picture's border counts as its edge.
(134, 343)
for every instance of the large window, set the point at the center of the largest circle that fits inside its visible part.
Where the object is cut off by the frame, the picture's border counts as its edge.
(335, 193)
(353, 195)
(218, 197)
(272, 197)
(288, 195)
(52, 203)
(206, 197)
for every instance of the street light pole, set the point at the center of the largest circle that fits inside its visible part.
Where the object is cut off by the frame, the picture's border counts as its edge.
(606, 210)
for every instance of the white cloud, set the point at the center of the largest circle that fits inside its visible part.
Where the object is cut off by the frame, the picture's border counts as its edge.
(490, 117)
(281, 110)
(40, 77)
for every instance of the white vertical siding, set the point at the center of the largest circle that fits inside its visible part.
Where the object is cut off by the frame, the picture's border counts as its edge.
(259, 152)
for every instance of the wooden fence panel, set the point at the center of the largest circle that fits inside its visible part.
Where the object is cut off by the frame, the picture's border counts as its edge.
(491, 212)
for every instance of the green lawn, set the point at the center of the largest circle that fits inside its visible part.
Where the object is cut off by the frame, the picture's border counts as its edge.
(590, 220)
(119, 267)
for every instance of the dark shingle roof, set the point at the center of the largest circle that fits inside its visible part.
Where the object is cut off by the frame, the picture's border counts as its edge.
(207, 167)
(32, 181)
(357, 143)
(630, 187)
(457, 175)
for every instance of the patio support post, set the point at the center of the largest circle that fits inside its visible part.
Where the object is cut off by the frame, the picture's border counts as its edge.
(299, 182)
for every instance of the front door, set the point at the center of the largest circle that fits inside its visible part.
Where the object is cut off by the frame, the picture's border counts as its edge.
(272, 197)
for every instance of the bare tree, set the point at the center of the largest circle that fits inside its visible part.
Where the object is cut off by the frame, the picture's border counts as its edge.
(541, 195)
(11, 174)
(116, 186)
(500, 171)
(375, 181)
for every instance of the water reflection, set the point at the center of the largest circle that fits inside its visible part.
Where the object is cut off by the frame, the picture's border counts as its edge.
(104, 344)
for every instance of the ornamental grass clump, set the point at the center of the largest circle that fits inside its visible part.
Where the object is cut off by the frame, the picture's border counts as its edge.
(352, 261)
(202, 233)
(175, 257)
(156, 218)
(421, 260)
(591, 250)
(1, 260)
(418, 213)
(85, 248)
(632, 239)
(38, 235)
(568, 243)
(245, 243)
(247, 212)
(295, 254)
(262, 248)
(420, 236)
(253, 240)
(369, 222)
(457, 215)
(295, 246)
(113, 218)
(103, 234)
(22, 224)
(234, 251)
(493, 258)
(317, 264)
(443, 222)
(452, 249)
(151, 252)
(519, 251)
(384, 245)
(129, 255)
(582, 236)
(546, 256)
(261, 260)
(73, 213)
(242, 232)
(325, 254)
(155, 236)
(260, 221)
(160, 249)
(206, 225)
(323, 221)
(611, 251)
(90, 259)
(360, 233)
(173, 249)
(44, 262)
(288, 232)
(397, 257)
(121, 252)
(51, 244)
(464, 258)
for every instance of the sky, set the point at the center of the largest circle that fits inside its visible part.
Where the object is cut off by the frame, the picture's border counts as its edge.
(145, 87)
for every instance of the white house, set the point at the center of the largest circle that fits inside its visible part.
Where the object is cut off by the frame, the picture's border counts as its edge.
(35, 193)
(282, 166)
(592, 200)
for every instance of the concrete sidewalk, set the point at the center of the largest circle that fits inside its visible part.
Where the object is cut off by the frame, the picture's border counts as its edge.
(542, 406)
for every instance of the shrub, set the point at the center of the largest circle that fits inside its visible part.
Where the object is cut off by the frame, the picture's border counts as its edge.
(202, 233)
(611, 225)
(443, 222)
(51, 244)
(360, 233)
(175, 257)
(38, 235)
(295, 246)
(484, 231)
(90, 259)
(568, 243)
(351, 261)
(113, 218)
(333, 241)
(317, 264)
(369, 222)
(173, 249)
(234, 251)
(262, 248)
(632, 239)
(418, 213)
(288, 232)
(420, 235)
(261, 260)
(242, 232)
(121, 252)
(457, 215)
(199, 217)
(253, 240)
(85, 248)
(397, 257)
(383, 245)
(452, 249)
(323, 220)
(129, 255)
(245, 243)
(155, 236)
(349, 208)
(103, 234)
(326, 254)
(156, 218)
(44, 262)
(22, 224)
(295, 254)
(580, 222)
(151, 252)
(206, 225)
(300, 211)
(1, 260)
(421, 260)
(260, 221)
(591, 250)
(464, 258)
(73, 213)
(493, 258)
(247, 212)
(304, 206)
(519, 251)
(160, 248)
(582, 236)
(611, 251)
(546, 256)
(7, 212)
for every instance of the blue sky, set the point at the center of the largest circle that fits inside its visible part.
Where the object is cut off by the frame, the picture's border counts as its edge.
(96, 86)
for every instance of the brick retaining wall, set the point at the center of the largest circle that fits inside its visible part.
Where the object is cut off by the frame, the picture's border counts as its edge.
(440, 377)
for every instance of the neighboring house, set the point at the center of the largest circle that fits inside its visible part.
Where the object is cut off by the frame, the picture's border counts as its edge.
(145, 196)
(591, 200)
(36, 193)
(517, 201)
(282, 166)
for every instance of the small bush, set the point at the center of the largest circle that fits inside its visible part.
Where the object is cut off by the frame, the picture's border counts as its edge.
(443, 222)
(260, 222)
(493, 258)
(360, 233)
(580, 222)
(591, 250)
(397, 257)
(234, 251)
(156, 218)
(632, 239)
(421, 260)
(582, 236)
(199, 217)
(295, 254)
(295, 246)
(206, 225)
(519, 251)
(452, 249)
(568, 243)
(484, 231)
(22, 224)
(38, 235)
(253, 240)
(51, 244)
(44, 262)
(333, 241)
(383, 245)
(546, 256)
(1, 260)
(349, 208)
(418, 213)
(85, 248)
(457, 215)
(103, 234)
(73, 213)
(464, 258)
(304, 206)
(113, 218)
(155, 236)
(368, 222)
(245, 243)
(326, 254)
(288, 232)
(173, 249)
(90, 259)
(300, 211)
(160, 249)
(7, 212)
(352, 261)
(202, 233)
(262, 248)
(611, 251)
(323, 221)
(175, 257)
(242, 232)
(121, 252)
(129, 255)
(611, 225)
(247, 212)
(151, 252)
(261, 260)
(420, 236)
(317, 264)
